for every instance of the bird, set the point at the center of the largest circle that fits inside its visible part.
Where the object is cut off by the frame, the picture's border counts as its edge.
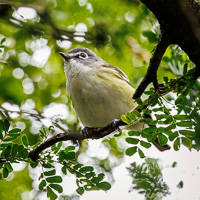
(99, 91)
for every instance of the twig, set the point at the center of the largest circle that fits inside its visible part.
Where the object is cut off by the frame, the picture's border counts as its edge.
(151, 75)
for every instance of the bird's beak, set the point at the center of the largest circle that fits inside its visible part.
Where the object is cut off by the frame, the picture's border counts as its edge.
(65, 56)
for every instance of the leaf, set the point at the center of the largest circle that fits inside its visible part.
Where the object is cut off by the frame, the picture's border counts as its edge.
(15, 130)
(50, 173)
(186, 142)
(69, 148)
(5, 172)
(51, 194)
(187, 133)
(130, 116)
(25, 140)
(54, 179)
(86, 169)
(6, 125)
(64, 170)
(56, 187)
(1, 125)
(22, 152)
(130, 151)
(42, 185)
(180, 117)
(150, 36)
(80, 190)
(104, 186)
(177, 144)
(162, 139)
(141, 154)
(185, 124)
(9, 167)
(136, 113)
(145, 144)
(70, 156)
(132, 140)
(14, 150)
(134, 133)
(124, 119)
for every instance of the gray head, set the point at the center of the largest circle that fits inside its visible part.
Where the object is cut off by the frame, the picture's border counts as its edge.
(80, 55)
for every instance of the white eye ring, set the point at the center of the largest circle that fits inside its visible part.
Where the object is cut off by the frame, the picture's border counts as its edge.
(83, 55)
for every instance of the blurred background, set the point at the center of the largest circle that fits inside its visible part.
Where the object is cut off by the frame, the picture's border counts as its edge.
(33, 87)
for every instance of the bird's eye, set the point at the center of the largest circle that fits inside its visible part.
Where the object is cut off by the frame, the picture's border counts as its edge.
(83, 55)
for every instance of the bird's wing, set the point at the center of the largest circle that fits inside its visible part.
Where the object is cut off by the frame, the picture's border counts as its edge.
(118, 73)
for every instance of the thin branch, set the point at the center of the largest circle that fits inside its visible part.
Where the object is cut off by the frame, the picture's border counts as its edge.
(96, 133)
(151, 75)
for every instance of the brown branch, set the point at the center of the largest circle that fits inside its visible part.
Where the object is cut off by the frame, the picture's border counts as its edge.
(179, 23)
(151, 75)
(96, 133)
(92, 133)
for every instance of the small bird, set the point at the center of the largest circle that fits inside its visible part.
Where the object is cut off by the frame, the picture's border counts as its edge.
(99, 91)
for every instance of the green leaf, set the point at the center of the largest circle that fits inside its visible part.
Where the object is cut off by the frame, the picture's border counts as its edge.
(104, 186)
(162, 139)
(47, 165)
(124, 119)
(56, 187)
(136, 113)
(50, 173)
(70, 156)
(5, 172)
(187, 133)
(22, 152)
(130, 116)
(89, 175)
(1, 136)
(185, 124)
(141, 154)
(134, 133)
(69, 148)
(25, 140)
(145, 144)
(15, 130)
(177, 144)
(130, 151)
(86, 169)
(9, 167)
(64, 170)
(80, 190)
(180, 117)
(14, 150)
(42, 185)
(6, 125)
(51, 194)
(186, 142)
(1, 125)
(185, 69)
(150, 36)
(132, 140)
(173, 135)
(54, 179)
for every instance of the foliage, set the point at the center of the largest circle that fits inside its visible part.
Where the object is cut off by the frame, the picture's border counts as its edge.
(147, 179)
(32, 82)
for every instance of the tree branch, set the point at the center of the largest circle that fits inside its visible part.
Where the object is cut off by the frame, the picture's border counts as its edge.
(151, 75)
(175, 17)
(96, 133)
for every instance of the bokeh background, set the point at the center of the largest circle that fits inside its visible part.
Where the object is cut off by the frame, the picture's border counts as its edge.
(33, 87)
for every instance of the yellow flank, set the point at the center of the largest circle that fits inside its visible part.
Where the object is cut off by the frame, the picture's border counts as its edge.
(103, 96)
